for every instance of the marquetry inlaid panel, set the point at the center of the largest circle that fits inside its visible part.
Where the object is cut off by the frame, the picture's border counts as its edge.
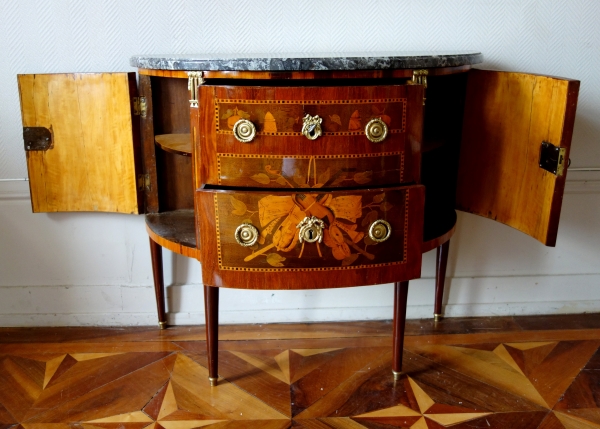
(334, 376)
(346, 218)
(342, 151)
(284, 117)
(304, 171)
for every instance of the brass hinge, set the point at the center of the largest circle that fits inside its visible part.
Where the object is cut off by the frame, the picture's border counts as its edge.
(139, 106)
(552, 158)
(194, 79)
(420, 78)
(143, 182)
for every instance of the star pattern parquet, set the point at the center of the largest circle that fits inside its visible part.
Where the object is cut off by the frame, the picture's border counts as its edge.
(521, 379)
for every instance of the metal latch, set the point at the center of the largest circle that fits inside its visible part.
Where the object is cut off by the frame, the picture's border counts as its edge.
(419, 78)
(143, 182)
(37, 138)
(552, 158)
(194, 79)
(139, 106)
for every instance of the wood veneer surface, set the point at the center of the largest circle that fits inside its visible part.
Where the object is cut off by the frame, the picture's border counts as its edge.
(335, 74)
(464, 373)
(507, 117)
(91, 164)
(174, 231)
(179, 144)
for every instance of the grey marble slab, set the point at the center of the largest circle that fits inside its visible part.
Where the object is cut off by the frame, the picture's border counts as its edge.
(306, 62)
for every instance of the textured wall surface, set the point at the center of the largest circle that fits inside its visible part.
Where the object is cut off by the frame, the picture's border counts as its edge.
(91, 268)
(557, 37)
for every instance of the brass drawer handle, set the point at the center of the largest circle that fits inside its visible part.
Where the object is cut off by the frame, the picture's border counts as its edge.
(311, 229)
(311, 127)
(246, 235)
(380, 231)
(376, 130)
(244, 131)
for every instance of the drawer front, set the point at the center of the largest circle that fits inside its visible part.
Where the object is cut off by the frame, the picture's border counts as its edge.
(280, 155)
(310, 240)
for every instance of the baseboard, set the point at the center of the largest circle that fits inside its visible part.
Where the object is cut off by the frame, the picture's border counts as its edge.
(133, 306)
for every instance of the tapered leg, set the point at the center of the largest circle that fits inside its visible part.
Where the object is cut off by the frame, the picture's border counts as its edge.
(440, 278)
(400, 296)
(159, 284)
(211, 312)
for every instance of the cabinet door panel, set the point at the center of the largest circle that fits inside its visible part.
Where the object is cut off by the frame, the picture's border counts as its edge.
(91, 164)
(507, 117)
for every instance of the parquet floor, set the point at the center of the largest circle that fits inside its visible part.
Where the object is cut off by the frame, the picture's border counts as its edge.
(509, 373)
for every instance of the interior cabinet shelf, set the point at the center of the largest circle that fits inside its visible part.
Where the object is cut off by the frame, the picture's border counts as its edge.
(174, 230)
(179, 144)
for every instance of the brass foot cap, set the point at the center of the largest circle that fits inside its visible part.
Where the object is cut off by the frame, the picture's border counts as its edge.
(397, 375)
(437, 317)
(162, 325)
(213, 381)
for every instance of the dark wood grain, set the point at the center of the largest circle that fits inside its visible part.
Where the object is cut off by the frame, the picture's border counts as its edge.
(148, 150)
(336, 377)
(129, 391)
(211, 314)
(559, 321)
(137, 142)
(505, 325)
(274, 274)
(159, 283)
(303, 75)
(175, 186)
(442, 131)
(435, 242)
(89, 375)
(399, 323)
(171, 106)
(171, 115)
(177, 226)
(217, 140)
(440, 276)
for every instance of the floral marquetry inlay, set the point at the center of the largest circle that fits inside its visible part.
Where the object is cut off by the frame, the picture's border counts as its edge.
(284, 117)
(344, 217)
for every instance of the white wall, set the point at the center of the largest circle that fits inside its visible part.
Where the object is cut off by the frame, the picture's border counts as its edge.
(84, 268)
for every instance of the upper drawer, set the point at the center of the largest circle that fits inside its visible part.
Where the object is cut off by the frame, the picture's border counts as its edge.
(280, 155)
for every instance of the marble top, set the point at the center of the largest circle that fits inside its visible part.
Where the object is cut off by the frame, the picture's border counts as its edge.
(305, 62)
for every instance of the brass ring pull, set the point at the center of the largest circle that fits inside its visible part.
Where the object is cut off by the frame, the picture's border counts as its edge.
(376, 130)
(246, 235)
(380, 231)
(244, 131)
(311, 230)
(311, 127)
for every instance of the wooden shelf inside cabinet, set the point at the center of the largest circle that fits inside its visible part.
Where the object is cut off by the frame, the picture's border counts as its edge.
(179, 144)
(174, 230)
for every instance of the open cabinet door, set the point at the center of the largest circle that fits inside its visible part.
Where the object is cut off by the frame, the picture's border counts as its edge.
(507, 118)
(80, 141)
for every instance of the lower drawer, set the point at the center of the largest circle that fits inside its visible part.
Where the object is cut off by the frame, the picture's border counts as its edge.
(272, 239)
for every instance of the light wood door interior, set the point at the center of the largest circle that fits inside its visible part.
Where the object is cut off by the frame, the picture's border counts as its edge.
(507, 117)
(91, 166)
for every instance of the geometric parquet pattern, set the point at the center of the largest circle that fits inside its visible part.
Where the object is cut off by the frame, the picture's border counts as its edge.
(301, 376)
